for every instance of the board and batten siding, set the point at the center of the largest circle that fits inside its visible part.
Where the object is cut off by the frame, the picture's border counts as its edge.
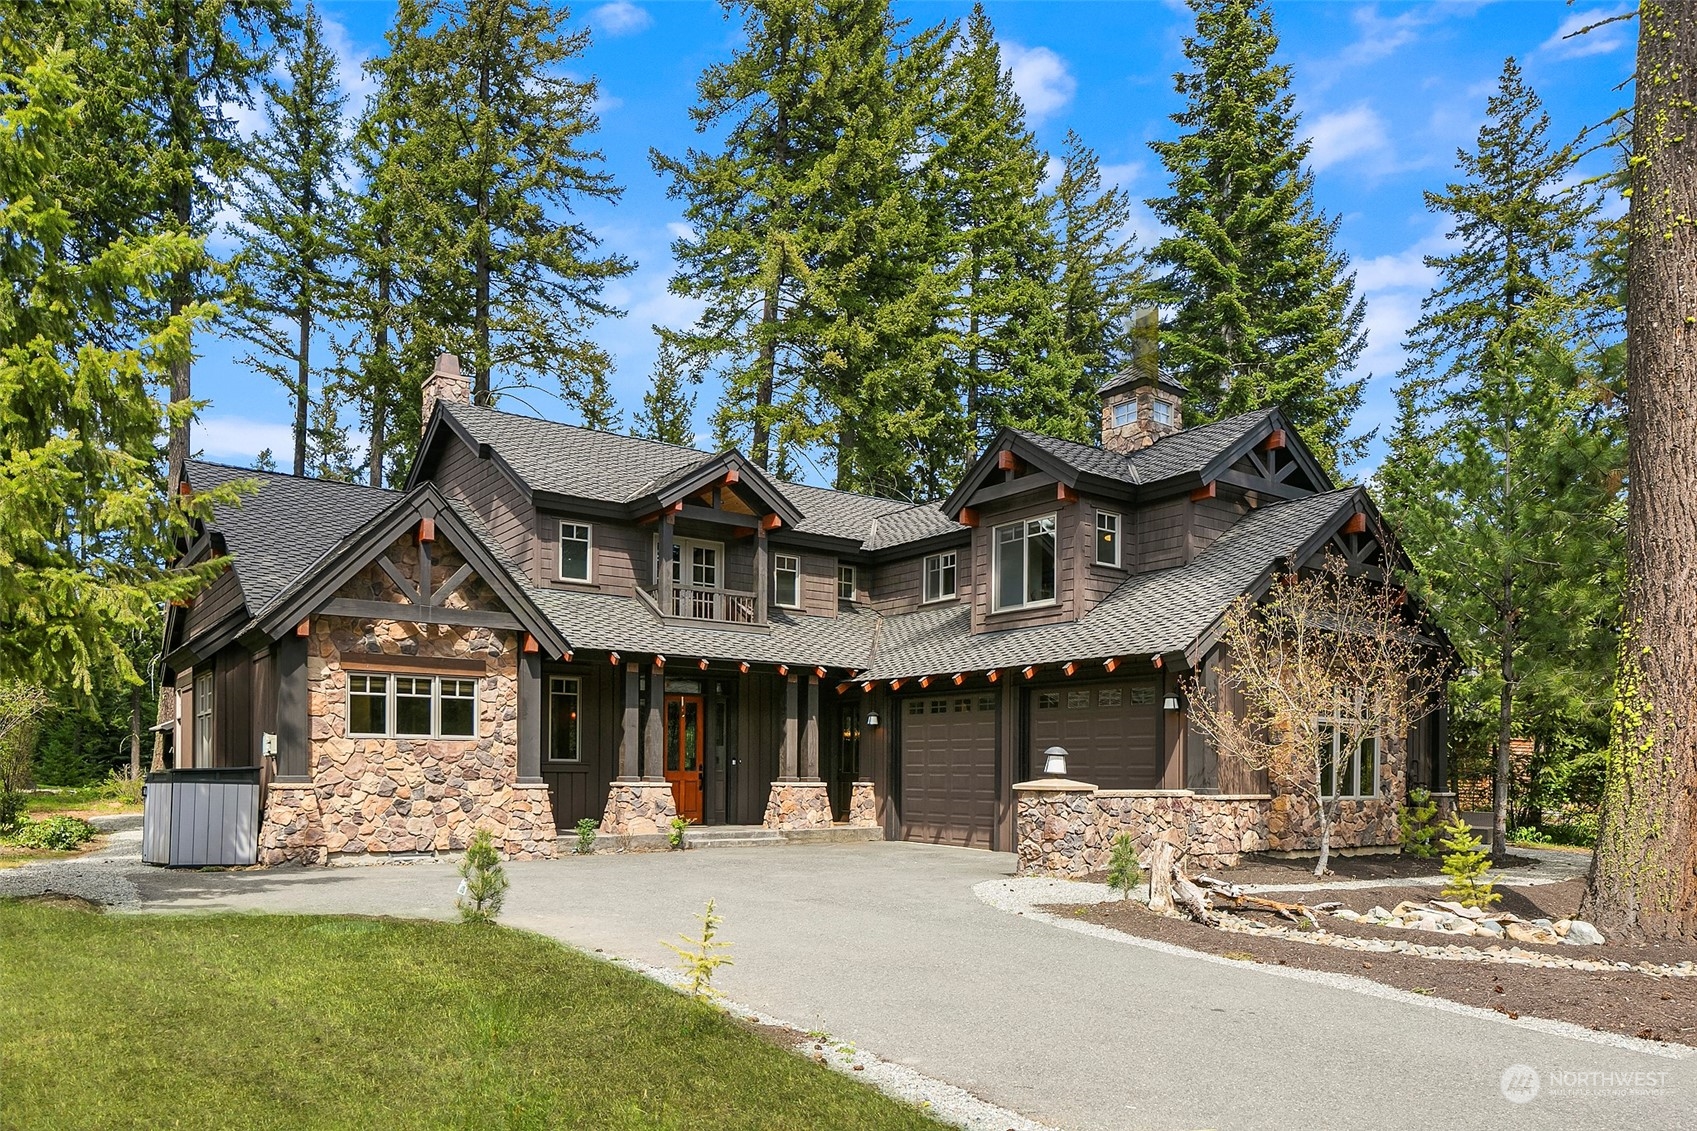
(579, 789)
(482, 486)
(212, 604)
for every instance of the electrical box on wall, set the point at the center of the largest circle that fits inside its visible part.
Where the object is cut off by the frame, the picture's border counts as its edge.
(268, 745)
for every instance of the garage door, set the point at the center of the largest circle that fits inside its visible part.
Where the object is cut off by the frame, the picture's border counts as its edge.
(948, 769)
(1108, 730)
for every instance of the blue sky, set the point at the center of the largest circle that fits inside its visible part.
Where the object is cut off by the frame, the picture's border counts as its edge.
(1387, 92)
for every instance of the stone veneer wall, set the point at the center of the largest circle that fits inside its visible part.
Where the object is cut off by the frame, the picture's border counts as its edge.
(404, 795)
(863, 806)
(798, 805)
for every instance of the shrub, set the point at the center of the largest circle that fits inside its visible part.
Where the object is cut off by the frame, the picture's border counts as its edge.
(703, 956)
(1418, 821)
(484, 885)
(58, 833)
(1123, 870)
(120, 786)
(586, 830)
(675, 838)
(1465, 863)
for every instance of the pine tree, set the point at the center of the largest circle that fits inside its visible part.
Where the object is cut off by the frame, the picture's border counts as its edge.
(1264, 309)
(1499, 475)
(294, 215)
(668, 411)
(1101, 281)
(1005, 352)
(807, 244)
(490, 138)
(598, 406)
(87, 530)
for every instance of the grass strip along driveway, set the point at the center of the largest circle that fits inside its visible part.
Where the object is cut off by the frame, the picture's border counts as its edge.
(316, 1021)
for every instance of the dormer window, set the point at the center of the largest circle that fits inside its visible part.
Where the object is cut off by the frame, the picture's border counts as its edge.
(1125, 413)
(1024, 563)
(1107, 539)
(845, 583)
(574, 551)
(940, 576)
(786, 580)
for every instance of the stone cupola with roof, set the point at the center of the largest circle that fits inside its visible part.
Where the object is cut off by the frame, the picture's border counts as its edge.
(1142, 404)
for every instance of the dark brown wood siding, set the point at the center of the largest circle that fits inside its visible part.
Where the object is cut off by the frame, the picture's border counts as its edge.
(755, 748)
(1213, 517)
(1159, 535)
(212, 604)
(481, 485)
(621, 554)
(232, 718)
(1097, 581)
(579, 789)
(898, 586)
(1066, 566)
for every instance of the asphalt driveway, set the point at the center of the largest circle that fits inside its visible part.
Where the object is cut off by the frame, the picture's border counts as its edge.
(888, 947)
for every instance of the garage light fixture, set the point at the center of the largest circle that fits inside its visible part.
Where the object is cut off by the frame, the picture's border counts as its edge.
(872, 718)
(1055, 762)
(1170, 703)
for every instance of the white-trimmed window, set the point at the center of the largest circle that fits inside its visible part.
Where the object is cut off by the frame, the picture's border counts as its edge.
(940, 576)
(204, 698)
(786, 580)
(1107, 538)
(1125, 412)
(411, 706)
(1023, 563)
(564, 698)
(845, 583)
(1162, 411)
(575, 556)
(1345, 772)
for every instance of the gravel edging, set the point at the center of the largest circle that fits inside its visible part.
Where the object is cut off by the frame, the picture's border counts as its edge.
(1024, 897)
(943, 1101)
(101, 876)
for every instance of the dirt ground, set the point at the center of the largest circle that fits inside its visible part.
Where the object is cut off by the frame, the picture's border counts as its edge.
(1630, 1003)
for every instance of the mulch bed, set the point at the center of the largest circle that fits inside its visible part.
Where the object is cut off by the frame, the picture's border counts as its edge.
(1271, 870)
(1630, 1003)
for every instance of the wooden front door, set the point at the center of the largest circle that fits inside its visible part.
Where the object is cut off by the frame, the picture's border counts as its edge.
(685, 742)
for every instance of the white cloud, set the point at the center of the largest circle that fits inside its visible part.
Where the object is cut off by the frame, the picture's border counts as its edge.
(242, 438)
(1040, 78)
(620, 17)
(681, 231)
(1344, 134)
(1399, 271)
(1598, 41)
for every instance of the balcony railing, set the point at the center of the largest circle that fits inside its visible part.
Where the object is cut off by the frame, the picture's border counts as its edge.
(724, 606)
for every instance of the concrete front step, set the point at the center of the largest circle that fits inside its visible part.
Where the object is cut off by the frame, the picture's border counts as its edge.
(725, 836)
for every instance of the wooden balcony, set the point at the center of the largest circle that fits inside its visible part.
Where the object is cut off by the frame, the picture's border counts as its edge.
(725, 607)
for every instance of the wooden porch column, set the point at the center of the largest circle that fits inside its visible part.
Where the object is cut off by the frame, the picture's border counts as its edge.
(787, 770)
(663, 584)
(760, 581)
(628, 733)
(654, 742)
(530, 718)
(810, 732)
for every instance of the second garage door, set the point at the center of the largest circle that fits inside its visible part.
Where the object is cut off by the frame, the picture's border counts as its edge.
(948, 769)
(1108, 730)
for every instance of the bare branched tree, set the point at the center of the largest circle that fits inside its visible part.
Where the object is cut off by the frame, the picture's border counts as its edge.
(1326, 662)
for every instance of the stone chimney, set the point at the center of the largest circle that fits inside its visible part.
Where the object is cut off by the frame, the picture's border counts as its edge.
(445, 383)
(1141, 405)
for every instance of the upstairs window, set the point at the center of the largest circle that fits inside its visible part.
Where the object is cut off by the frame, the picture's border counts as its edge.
(940, 576)
(845, 583)
(203, 703)
(574, 551)
(1107, 538)
(1024, 563)
(1125, 412)
(1163, 411)
(786, 580)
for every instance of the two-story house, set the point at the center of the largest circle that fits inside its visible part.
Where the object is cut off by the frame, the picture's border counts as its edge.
(550, 623)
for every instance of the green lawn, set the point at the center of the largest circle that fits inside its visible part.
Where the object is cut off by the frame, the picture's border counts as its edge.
(302, 1021)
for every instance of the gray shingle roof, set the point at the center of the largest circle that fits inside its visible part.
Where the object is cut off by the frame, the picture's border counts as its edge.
(1150, 614)
(567, 460)
(1186, 452)
(910, 525)
(285, 527)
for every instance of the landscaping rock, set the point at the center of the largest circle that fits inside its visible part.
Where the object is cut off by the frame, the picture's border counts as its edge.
(1581, 933)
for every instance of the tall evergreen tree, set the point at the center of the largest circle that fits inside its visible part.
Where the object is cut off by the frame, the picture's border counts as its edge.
(1501, 477)
(807, 245)
(294, 215)
(1005, 350)
(491, 133)
(1264, 309)
(1101, 280)
(668, 411)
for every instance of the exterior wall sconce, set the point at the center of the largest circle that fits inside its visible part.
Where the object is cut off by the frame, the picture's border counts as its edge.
(872, 718)
(1055, 762)
(1170, 703)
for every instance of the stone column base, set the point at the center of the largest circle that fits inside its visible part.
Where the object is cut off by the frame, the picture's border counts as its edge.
(635, 808)
(292, 830)
(863, 806)
(798, 805)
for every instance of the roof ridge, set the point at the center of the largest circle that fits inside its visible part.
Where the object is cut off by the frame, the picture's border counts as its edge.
(644, 440)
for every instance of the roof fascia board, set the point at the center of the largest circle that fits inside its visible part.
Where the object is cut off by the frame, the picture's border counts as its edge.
(555, 502)
(1294, 444)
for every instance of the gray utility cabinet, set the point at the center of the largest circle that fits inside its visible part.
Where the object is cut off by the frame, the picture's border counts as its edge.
(201, 818)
